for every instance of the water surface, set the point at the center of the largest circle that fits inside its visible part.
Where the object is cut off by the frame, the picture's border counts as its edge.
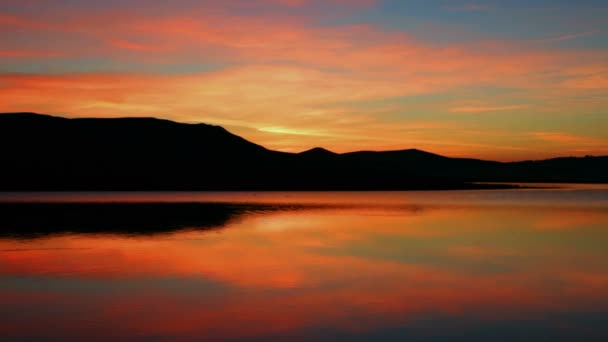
(496, 265)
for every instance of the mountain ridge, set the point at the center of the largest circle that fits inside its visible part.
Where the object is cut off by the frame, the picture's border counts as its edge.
(57, 153)
(315, 149)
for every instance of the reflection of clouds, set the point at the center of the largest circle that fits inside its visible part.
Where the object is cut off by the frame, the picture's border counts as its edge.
(479, 252)
(324, 267)
(574, 219)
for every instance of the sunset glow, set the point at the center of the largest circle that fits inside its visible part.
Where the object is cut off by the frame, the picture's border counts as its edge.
(293, 272)
(506, 80)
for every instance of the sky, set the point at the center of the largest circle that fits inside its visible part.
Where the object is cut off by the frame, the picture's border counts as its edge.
(503, 80)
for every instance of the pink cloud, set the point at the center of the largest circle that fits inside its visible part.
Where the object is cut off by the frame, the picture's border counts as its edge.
(134, 46)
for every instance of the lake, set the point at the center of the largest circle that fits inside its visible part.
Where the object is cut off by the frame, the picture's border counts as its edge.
(492, 265)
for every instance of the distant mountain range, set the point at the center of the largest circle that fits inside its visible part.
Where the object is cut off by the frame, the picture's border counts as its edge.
(42, 152)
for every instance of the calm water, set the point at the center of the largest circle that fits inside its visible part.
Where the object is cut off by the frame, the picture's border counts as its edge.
(529, 265)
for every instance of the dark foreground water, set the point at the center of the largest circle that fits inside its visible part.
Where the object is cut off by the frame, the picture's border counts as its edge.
(510, 265)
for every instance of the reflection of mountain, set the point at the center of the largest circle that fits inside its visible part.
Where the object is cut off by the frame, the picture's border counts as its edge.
(32, 220)
(51, 153)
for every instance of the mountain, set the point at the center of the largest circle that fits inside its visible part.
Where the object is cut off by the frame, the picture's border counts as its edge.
(318, 152)
(42, 152)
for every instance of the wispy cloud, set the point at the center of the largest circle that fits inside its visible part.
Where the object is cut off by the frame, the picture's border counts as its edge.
(135, 46)
(29, 53)
(567, 139)
(479, 109)
(567, 37)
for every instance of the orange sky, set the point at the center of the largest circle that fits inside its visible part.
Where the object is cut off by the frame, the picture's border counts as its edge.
(460, 79)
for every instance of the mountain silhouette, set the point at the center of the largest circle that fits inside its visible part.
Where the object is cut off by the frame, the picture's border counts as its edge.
(42, 152)
(317, 152)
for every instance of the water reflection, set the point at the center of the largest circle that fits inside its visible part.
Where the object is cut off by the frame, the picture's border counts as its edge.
(307, 273)
(33, 220)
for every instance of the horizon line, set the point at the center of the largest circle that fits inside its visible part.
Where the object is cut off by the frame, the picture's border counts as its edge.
(300, 152)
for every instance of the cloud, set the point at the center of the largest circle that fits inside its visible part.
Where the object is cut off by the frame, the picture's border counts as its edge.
(588, 82)
(134, 46)
(565, 138)
(568, 37)
(478, 109)
(30, 53)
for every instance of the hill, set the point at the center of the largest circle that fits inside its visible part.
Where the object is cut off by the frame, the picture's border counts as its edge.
(42, 152)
